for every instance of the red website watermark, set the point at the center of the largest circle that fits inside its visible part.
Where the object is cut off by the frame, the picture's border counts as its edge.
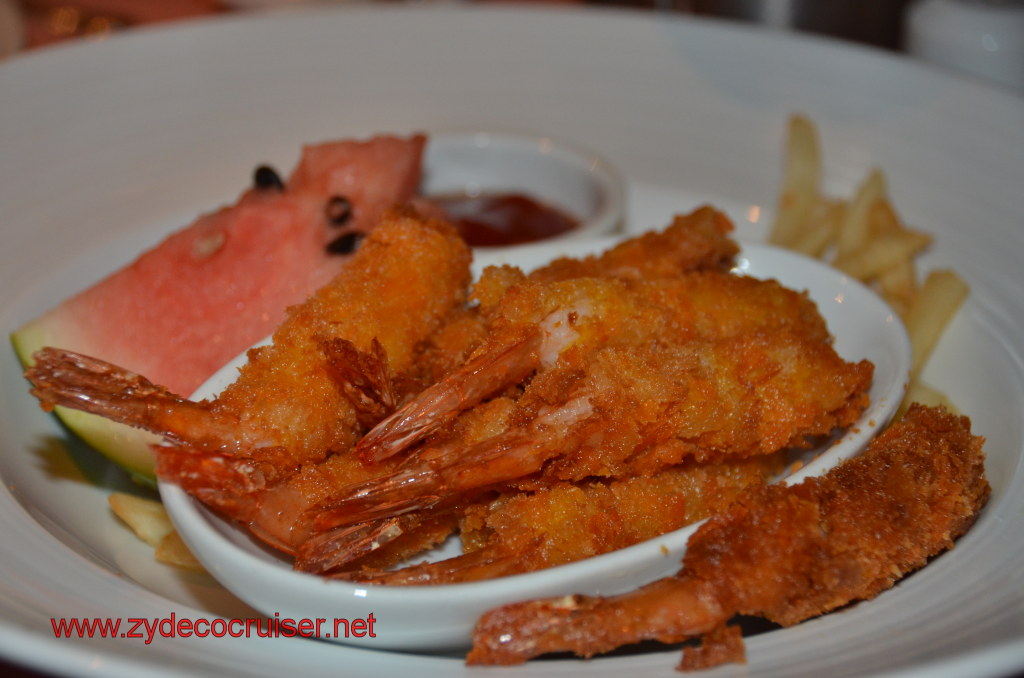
(149, 628)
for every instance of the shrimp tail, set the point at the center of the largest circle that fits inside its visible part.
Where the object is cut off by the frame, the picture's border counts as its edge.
(489, 372)
(332, 549)
(401, 492)
(349, 515)
(668, 610)
(364, 378)
(421, 485)
(66, 378)
(231, 485)
(82, 382)
(785, 553)
(483, 563)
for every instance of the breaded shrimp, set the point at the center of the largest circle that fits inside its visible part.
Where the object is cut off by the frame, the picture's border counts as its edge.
(695, 242)
(698, 241)
(786, 553)
(526, 531)
(625, 411)
(538, 325)
(287, 407)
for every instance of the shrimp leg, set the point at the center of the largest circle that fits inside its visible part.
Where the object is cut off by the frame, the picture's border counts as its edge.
(784, 553)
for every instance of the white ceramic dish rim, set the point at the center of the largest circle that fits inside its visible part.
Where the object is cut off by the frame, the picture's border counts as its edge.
(269, 584)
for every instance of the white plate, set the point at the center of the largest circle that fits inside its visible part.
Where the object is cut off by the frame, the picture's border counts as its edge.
(442, 617)
(107, 146)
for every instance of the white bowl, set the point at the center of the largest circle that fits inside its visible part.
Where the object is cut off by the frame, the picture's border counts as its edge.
(437, 617)
(576, 181)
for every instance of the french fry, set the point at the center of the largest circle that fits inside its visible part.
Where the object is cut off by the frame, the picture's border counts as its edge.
(855, 231)
(149, 521)
(815, 236)
(801, 180)
(883, 217)
(172, 551)
(867, 239)
(933, 307)
(883, 252)
(898, 285)
(146, 517)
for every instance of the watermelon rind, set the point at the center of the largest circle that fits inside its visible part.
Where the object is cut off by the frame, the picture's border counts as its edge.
(125, 446)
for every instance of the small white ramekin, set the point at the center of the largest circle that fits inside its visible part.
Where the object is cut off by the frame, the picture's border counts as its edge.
(572, 179)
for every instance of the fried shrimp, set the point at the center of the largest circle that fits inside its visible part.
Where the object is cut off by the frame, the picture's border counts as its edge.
(539, 325)
(783, 553)
(695, 242)
(698, 241)
(288, 407)
(635, 409)
(526, 531)
(398, 405)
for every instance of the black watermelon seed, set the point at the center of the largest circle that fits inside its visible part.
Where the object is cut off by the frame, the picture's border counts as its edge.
(346, 243)
(266, 177)
(338, 210)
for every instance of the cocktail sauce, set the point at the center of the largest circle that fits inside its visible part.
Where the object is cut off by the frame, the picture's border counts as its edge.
(504, 219)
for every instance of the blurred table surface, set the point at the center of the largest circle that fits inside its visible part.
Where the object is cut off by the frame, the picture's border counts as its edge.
(38, 23)
(44, 22)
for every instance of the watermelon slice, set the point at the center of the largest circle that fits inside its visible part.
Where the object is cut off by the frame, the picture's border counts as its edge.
(206, 293)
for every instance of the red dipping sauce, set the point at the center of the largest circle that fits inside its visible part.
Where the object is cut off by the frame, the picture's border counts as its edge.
(506, 219)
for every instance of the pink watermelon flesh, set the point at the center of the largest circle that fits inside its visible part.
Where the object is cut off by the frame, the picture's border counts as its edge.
(206, 293)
